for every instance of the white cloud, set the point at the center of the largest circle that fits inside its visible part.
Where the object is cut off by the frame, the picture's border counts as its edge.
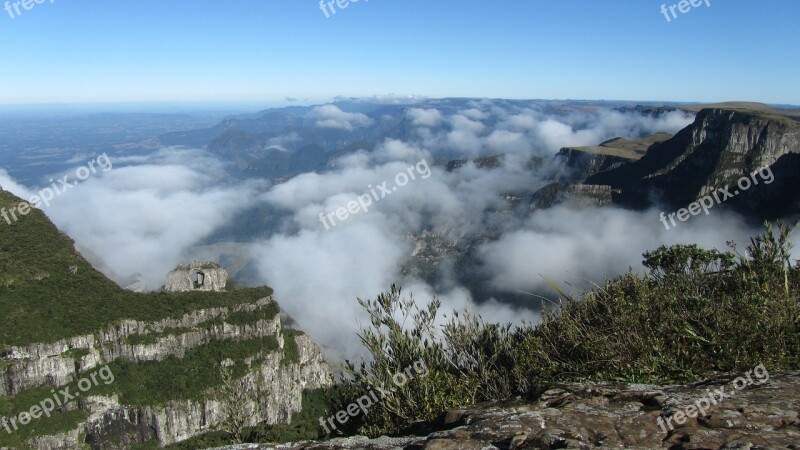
(579, 246)
(282, 142)
(330, 116)
(520, 122)
(502, 141)
(425, 117)
(462, 123)
(474, 113)
(10, 185)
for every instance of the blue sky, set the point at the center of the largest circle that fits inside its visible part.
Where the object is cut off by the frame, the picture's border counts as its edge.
(77, 51)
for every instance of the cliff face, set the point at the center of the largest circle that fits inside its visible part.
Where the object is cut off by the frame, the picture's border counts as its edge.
(61, 362)
(273, 388)
(720, 147)
(580, 164)
(576, 195)
(271, 393)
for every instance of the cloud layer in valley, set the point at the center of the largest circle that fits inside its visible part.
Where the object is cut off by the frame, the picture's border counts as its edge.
(149, 212)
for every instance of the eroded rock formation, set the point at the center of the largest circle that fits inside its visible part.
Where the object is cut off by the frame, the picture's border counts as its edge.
(197, 276)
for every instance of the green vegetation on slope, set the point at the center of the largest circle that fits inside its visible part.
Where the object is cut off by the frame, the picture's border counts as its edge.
(239, 318)
(268, 312)
(694, 314)
(139, 384)
(49, 292)
(291, 353)
(188, 378)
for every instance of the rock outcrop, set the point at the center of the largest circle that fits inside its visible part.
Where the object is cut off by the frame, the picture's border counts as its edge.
(197, 276)
(610, 416)
(486, 162)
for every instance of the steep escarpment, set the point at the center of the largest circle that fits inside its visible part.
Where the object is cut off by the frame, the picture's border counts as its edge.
(170, 362)
(720, 147)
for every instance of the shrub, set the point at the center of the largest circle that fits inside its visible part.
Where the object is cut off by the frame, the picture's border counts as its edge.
(694, 314)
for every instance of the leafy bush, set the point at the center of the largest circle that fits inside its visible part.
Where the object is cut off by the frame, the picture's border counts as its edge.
(467, 361)
(694, 314)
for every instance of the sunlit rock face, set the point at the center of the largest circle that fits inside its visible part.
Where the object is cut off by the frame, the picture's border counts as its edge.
(197, 276)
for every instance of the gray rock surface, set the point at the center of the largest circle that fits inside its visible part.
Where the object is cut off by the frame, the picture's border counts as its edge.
(579, 164)
(197, 276)
(611, 416)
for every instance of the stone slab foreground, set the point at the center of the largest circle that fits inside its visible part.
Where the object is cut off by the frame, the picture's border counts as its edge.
(608, 415)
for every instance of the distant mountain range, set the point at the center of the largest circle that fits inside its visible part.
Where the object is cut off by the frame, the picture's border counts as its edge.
(283, 142)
